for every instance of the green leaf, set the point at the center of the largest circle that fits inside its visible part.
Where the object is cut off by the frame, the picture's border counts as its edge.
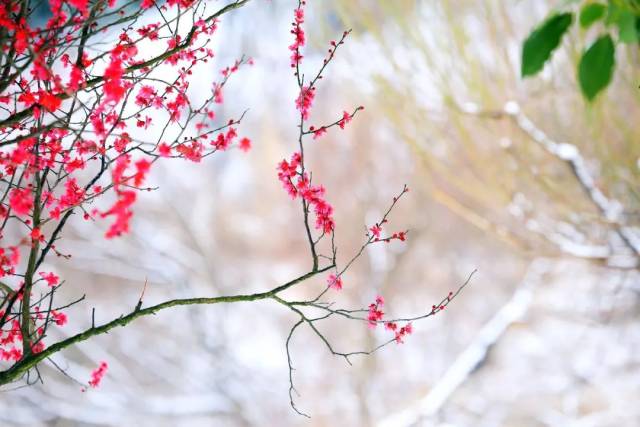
(542, 41)
(613, 13)
(596, 67)
(590, 13)
(627, 32)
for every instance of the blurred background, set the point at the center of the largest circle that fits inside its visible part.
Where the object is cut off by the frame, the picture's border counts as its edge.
(546, 334)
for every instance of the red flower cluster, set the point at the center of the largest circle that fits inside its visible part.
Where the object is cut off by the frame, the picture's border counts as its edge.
(375, 316)
(399, 333)
(299, 37)
(148, 96)
(375, 312)
(346, 118)
(319, 132)
(97, 374)
(297, 184)
(224, 140)
(334, 282)
(113, 86)
(21, 201)
(287, 172)
(59, 317)
(51, 279)
(376, 232)
(121, 210)
(245, 144)
(304, 101)
(10, 337)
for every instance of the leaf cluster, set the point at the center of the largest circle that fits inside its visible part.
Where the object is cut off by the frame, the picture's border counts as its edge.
(617, 21)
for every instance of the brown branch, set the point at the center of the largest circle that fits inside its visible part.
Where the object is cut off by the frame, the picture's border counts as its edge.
(32, 360)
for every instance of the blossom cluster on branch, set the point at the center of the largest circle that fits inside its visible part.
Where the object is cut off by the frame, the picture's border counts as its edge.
(73, 129)
(81, 127)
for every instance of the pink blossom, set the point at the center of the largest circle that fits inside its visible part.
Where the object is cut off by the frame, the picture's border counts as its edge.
(97, 374)
(304, 101)
(334, 282)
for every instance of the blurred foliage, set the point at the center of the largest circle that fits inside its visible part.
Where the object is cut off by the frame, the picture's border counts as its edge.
(454, 66)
